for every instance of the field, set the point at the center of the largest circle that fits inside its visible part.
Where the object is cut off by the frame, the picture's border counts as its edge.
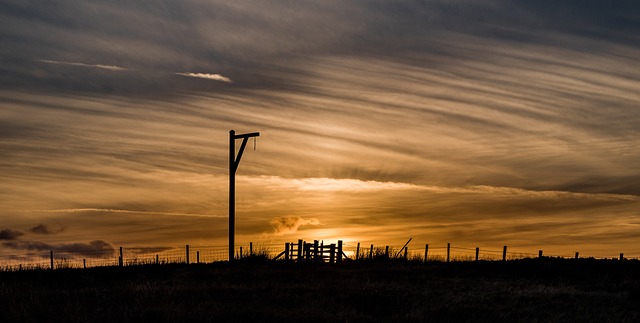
(255, 290)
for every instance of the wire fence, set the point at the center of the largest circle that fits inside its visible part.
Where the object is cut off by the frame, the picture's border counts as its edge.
(122, 256)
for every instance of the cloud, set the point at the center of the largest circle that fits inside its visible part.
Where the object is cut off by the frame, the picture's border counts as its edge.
(100, 66)
(285, 225)
(214, 77)
(45, 229)
(95, 248)
(8, 234)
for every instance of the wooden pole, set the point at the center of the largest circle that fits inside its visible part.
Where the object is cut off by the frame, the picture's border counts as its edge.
(84, 263)
(240, 252)
(251, 249)
(358, 251)
(448, 251)
(406, 253)
(426, 252)
(332, 253)
(386, 252)
(339, 259)
(477, 253)
(286, 251)
(187, 252)
(315, 249)
(539, 253)
(300, 251)
(157, 259)
(234, 162)
(371, 252)
(232, 192)
(621, 256)
(197, 257)
(504, 253)
(121, 259)
(51, 256)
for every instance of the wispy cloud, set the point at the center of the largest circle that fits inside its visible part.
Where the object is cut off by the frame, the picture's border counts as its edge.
(286, 225)
(100, 66)
(213, 77)
(97, 210)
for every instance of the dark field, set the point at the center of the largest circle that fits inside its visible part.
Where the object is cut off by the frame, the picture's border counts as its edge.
(530, 290)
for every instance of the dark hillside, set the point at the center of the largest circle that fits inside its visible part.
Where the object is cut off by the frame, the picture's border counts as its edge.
(530, 290)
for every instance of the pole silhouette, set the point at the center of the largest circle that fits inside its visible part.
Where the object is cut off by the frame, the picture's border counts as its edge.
(234, 162)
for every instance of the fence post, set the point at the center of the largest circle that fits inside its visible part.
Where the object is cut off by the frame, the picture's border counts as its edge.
(250, 249)
(315, 249)
(477, 253)
(386, 252)
(358, 251)
(621, 256)
(504, 253)
(84, 263)
(448, 251)
(300, 249)
(577, 255)
(286, 251)
(426, 252)
(539, 253)
(51, 256)
(187, 252)
(371, 252)
(197, 257)
(120, 259)
(332, 253)
(406, 253)
(157, 259)
(307, 251)
(240, 252)
(339, 259)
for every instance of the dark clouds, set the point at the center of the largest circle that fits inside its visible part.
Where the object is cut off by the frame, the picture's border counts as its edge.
(96, 248)
(8, 234)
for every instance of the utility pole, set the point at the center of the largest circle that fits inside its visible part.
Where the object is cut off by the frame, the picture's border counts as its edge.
(234, 162)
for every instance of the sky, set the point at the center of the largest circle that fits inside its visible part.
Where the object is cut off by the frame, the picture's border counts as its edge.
(477, 122)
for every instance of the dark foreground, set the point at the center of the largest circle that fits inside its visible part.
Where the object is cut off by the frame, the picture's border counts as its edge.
(534, 290)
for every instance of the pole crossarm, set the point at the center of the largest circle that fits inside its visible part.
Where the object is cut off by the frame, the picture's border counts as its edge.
(245, 137)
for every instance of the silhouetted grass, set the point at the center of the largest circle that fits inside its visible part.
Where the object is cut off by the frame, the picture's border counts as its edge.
(382, 290)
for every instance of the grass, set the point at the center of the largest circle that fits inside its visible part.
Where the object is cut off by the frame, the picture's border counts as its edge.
(382, 290)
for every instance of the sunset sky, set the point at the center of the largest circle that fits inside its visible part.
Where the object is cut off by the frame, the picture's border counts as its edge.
(481, 123)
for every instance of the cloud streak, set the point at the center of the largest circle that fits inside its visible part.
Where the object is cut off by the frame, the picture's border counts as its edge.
(206, 76)
(100, 66)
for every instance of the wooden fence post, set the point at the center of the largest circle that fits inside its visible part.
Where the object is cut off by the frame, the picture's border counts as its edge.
(539, 253)
(51, 256)
(358, 251)
(448, 251)
(406, 253)
(157, 259)
(187, 252)
(332, 253)
(339, 259)
(300, 251)
(84, 263)
(386, 252)
(121, 259)
(250, 249)
(577, 255)
(426, 252)
(477, 253)
(315, 249)
(286, 251)
(240, 252)
(197, 257)
(371, 252)
(621, 256)
(504, 253)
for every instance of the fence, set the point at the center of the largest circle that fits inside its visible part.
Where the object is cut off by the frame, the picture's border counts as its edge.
(300, 251)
